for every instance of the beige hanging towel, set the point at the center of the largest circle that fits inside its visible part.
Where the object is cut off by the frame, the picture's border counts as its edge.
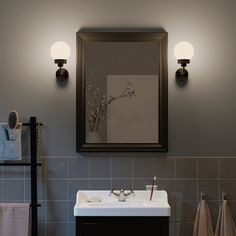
(225, 224)
(14, 219)
(203, 223)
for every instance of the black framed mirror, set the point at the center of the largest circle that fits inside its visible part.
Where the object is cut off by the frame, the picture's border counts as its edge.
(122, 91)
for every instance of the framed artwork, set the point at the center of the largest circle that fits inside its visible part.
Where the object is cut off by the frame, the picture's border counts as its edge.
(122, 91)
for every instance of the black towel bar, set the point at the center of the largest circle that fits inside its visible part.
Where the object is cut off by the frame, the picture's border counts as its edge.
(20, 164)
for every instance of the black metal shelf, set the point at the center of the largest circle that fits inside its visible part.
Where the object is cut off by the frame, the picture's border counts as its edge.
(33, 170)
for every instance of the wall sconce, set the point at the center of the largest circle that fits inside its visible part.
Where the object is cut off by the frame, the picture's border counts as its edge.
(60, 52)
(183, 52)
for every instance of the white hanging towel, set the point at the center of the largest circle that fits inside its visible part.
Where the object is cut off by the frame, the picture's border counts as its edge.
(10, 142)
(14, 219)
(203, 223)
(225, 224)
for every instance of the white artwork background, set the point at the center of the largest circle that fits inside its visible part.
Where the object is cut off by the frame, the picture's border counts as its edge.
(135, 119)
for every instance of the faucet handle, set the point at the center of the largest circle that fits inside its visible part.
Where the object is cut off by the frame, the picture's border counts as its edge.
(131, 191)
(114, 193)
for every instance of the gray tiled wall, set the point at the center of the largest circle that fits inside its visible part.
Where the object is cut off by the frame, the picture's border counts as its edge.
(184, 179)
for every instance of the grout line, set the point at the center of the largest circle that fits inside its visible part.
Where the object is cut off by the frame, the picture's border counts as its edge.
(3, 183)
(171, 156)
(67, 197)
(196, 204)
(22, 178)
(110, 173)
(154, 167)
(132, 172)
(186, 178)
(219, 177)
(63, 201)
(89, 172)
(46, 197)
(175, 196)
(184, 222)
(150, 178)
(197, 178)
(24, 185)
(57, 222)
(2, 188)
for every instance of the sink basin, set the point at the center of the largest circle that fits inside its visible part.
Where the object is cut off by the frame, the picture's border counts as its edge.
(136, 205)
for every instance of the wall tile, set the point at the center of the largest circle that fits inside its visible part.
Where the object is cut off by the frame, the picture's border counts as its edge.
(78, 168)
(99, 184)
(227, 168)
(56, 167)
(56, 189)
(71, 229)
(184, 229)
(56, 211)
(143, 167)
(186, 168)
(186, 211)
(173, 210)
(165, 167)
(110, 155)
(42, 211)
(42, 229)
(74, 186)
(229, 188)
(1, 188)
(167, 185)
(13, 190)
(99, 168)
(13, 172)
(70, 211)
(186, 190)
(140, 184)
(57, 229)
(208, 168)
(118, 184)
(210, 188)
(171, 229)
(121, 168)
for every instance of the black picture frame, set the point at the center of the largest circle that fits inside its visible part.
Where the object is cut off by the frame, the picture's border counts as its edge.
(157, 36)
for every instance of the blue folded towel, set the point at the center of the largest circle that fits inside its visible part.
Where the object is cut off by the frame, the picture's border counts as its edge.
(10, 142)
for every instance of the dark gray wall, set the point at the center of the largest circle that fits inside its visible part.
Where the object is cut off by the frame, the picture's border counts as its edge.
(201, 115)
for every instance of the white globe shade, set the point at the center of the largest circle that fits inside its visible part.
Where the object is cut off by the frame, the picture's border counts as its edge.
(184, 50)
(60, 50)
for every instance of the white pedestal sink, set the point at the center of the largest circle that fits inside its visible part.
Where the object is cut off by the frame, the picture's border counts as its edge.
(108, 205)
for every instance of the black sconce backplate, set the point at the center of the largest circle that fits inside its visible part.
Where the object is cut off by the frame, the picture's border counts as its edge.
(62, 74)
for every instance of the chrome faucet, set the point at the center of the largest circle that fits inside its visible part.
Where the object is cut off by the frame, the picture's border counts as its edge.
(122, 194)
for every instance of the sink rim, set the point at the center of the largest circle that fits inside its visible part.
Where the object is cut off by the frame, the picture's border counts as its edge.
(112, 207)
